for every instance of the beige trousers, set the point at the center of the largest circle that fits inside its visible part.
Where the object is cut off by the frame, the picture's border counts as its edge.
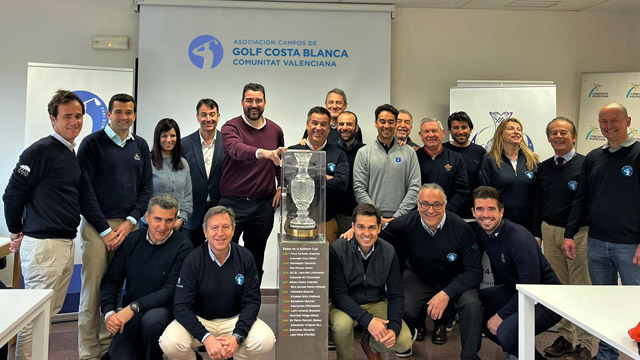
(46, 264)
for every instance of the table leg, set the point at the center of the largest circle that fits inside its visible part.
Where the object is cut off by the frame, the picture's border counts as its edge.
(41, 324)
(526, 327)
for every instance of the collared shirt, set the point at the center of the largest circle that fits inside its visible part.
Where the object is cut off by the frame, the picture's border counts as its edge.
(215, 259)
(384, 146)
(64, 141)
(207, 154)
(116, 138)
(630, 140)
(319, 148)
(568, 156)
(264, 123)
(365, 257)
(432, 232)
(160, 242)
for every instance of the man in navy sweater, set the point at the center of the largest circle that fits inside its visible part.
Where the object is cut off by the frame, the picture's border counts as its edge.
(42, 207)
(365, 287)
(555, 189)
(149, 261)
(607, 199)
(337, 165)
(442, 265)
(115, 187)
(204, 152)
(442, 166)
(515, 258)
(217, 299)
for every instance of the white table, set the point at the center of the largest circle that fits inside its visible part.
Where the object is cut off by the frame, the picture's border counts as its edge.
(607, 312)
(18, 308)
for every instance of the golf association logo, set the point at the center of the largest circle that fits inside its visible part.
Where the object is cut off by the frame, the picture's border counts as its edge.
(205, 52)
(95, 108)
(634, 92)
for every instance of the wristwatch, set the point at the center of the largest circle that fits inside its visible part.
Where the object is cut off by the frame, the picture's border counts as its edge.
(239, 338)
(135, 307)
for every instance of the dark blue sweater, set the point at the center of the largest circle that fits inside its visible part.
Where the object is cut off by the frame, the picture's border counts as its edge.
(449, 171)
(555, 190)
(42, 196)
(150, 271)
(449, 260)
(518, 188)
(515, 258)
(209, 291)
(345, 207)
(116, 181)
(607, 196)
(472, 156)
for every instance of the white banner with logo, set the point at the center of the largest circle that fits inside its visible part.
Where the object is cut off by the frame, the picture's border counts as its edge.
(599, 89)
(490, 104)
(95, 86)
(298, 52)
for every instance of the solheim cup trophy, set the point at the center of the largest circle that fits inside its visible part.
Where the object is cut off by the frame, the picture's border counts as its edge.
(304, 182)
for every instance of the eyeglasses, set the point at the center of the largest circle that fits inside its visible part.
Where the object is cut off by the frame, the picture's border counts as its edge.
(425, 205)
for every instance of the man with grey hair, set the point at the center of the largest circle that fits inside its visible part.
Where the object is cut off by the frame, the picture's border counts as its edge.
(442, 166)
(336, 103)
(149, 262)
(218, 298)
(403, 128)
(442, 265)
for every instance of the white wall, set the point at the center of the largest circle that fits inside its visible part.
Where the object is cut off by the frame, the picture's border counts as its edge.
(431, 50)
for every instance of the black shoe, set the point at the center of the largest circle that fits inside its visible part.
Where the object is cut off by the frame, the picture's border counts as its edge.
(439, 335)
(559, 347)
(408, 353)
(422, 332)
(198, 356)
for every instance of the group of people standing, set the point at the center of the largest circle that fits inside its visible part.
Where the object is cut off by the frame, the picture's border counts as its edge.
(189, 284)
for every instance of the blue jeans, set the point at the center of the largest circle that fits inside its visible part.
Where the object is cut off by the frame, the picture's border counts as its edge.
(606, 261)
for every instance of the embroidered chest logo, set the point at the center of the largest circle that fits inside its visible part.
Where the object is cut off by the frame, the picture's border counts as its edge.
(239, 279)
(331, 167)
(448, 167)
(24, 170)
(573, 185)
(503, 259)
(398, 159)
(136, 157)
(178, 284)
(451, 257)
(627, 170)
(529, 175)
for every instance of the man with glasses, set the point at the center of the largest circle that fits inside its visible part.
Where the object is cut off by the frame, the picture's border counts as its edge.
(442, 265)
(252, 145)
(203, 151)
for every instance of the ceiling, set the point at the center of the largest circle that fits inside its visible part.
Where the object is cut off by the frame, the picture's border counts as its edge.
(541, 5)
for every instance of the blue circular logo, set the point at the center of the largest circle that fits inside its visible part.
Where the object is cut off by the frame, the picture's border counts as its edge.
(573, 185)
(205, 52)
(398, 159)
(627, 170)
(239, 279)
(452, 257)
(331, 167)
(528, 174)
(95, 108)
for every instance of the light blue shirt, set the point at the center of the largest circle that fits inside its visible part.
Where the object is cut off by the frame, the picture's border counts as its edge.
(365, 257)
(431, 232)
(568, 156)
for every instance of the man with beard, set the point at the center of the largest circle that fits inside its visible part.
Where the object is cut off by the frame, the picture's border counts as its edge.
(386, 174)
(336, 165)
(515, 258)
(203, 151)
(250, 170)
(347, 128)
(460, 127)
(442, 166)
(403, 128)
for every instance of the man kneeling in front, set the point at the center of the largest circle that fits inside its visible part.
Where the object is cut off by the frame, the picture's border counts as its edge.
(217, 299)
(366, 289)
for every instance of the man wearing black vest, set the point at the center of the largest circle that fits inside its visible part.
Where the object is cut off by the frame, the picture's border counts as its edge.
(608, 191)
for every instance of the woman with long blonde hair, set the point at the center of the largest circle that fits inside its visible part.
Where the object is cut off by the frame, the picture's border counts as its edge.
(510, 166)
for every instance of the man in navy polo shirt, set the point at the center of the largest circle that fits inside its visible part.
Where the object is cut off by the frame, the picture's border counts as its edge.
(217, 298)
(115, 186)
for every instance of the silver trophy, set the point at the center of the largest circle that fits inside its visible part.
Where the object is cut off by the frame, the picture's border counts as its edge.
(302, 193)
